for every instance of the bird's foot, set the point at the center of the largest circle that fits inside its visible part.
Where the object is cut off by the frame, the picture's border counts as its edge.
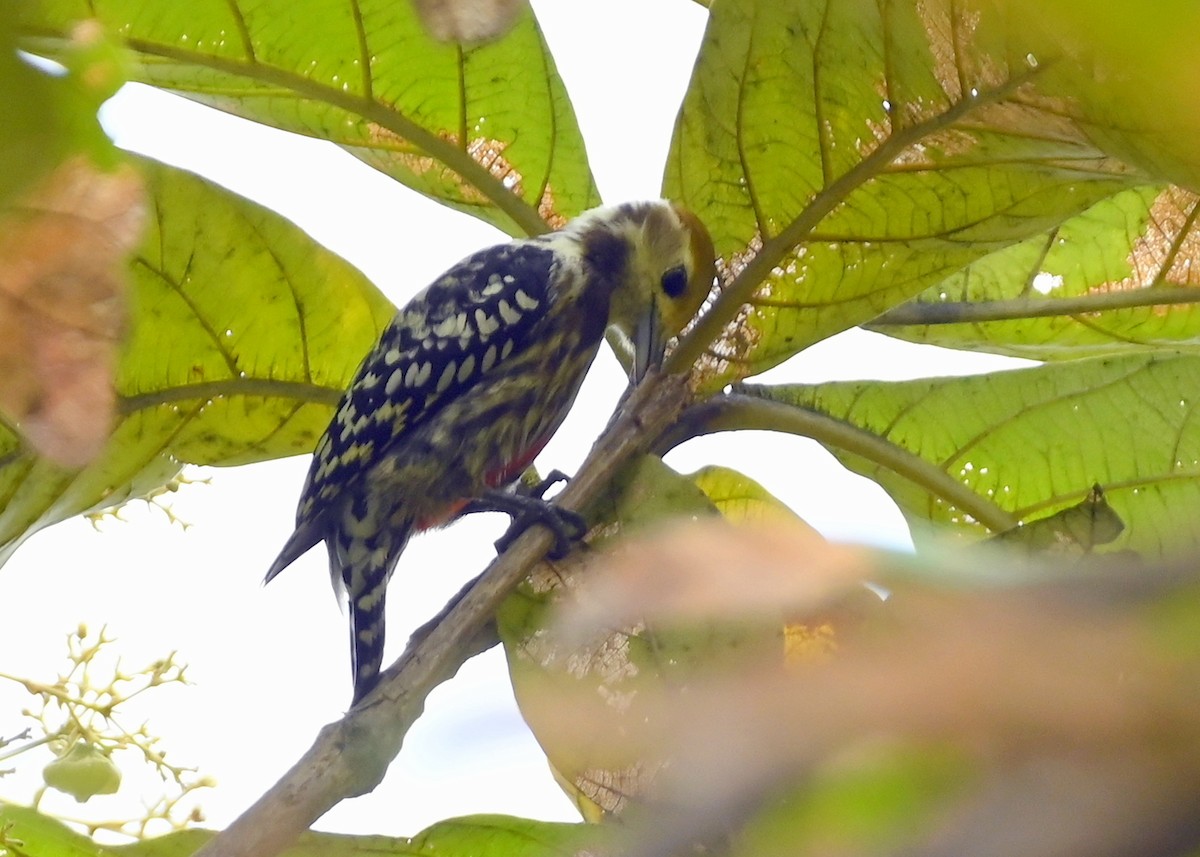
(527, 508)
(539, 489)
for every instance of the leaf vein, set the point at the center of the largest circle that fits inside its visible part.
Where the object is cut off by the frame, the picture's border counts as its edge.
(1032, 407)
(201, 320)
(243, 29)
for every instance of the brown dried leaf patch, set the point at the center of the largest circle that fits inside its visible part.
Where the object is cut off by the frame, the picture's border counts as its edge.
(738, 338)
(63, 247)
(469, 21)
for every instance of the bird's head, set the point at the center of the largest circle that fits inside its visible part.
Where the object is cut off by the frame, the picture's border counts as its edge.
(663, 261)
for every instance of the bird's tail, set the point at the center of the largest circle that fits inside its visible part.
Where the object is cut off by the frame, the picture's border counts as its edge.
(304, 537)
(364, 567)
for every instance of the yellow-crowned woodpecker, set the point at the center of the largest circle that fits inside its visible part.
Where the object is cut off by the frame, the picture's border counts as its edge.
(470, 380)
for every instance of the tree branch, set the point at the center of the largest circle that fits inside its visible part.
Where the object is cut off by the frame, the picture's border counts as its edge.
(740, 411)
(350, 757)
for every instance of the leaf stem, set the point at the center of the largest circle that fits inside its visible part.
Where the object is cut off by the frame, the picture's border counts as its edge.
(744, 410)
(16, 751)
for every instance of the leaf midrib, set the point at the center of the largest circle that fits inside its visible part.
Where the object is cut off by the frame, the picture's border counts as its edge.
(266, 388)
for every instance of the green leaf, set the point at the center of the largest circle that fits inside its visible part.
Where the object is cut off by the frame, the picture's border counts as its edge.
(471, 836)
(645, 493)
(1016, 446)
(1120, 277)
(504, 836)
(487, 129)
(184, 843)
(847, 156)
(739, 498)
(40, 835)
(50, 116)
(1134, 84)
(867, 805)
(244, 334)
(1074, 530)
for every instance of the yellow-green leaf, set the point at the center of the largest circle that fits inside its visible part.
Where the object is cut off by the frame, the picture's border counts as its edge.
(847, 156)
(1120, 277)
(487, 129)
(244, 334)
(1134, 85)
(739, 498)
(41, 835)
(1021, 445)
(504, 836)
(645, 493)
(49, 116)
(470, 836)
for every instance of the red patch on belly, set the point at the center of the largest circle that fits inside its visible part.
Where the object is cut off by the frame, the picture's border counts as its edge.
(497, 477)
(500, 476)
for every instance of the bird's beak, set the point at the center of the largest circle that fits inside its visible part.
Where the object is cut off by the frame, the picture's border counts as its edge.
(648, 344)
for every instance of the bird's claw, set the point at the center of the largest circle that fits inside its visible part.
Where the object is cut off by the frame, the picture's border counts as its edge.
(538, 489)
(566, 526)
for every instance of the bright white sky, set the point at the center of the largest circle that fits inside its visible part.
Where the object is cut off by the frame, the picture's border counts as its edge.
(271, 665)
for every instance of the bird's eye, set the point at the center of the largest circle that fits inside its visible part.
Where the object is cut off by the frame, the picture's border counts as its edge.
(674, 282)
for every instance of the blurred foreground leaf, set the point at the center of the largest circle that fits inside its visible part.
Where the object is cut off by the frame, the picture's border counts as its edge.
(70, 214)
(1040, 713)
(64, 245)
(468, 20)
(50, 117)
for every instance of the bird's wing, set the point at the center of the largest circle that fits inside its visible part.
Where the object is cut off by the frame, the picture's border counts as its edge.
(459, 329)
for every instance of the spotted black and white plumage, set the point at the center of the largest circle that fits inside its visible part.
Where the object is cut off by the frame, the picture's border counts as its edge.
(470, 380)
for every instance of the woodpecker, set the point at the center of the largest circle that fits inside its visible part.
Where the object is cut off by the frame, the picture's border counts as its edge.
(470, 380)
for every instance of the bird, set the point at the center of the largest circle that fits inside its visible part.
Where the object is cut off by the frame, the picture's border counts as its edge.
(472, 377)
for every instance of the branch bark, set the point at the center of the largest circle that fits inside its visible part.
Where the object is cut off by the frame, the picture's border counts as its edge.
(351, 756)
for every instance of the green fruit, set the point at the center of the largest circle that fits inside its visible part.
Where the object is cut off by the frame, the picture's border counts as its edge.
(83, 772)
